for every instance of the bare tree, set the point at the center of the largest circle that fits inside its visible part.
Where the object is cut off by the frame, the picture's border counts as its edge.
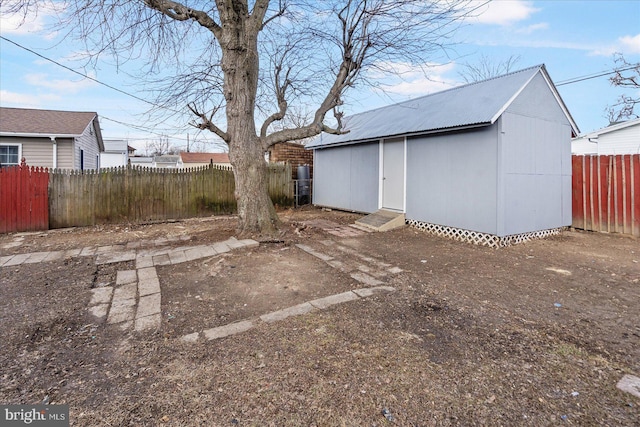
(626, 75)
(487, 68)
(235, 62)
(160, 147)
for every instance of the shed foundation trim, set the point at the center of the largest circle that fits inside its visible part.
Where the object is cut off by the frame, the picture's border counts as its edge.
(482, 239)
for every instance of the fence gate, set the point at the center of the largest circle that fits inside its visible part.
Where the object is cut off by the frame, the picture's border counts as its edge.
(24, 199)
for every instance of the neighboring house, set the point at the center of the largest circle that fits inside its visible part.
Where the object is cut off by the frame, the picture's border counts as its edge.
(141, 161)
(619, 138)
(293, 153)
(115, 154)
(492, 157)
(167, 161)
(49, 138)
(192, 160)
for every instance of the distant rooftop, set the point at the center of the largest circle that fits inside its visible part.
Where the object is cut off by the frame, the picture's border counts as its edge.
(48, 122)
(204, 157)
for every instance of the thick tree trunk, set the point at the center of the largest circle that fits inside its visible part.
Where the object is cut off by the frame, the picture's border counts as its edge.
(240, 63)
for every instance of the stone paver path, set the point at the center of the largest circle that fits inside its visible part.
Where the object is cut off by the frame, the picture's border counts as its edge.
(369, 271)
(135, 300)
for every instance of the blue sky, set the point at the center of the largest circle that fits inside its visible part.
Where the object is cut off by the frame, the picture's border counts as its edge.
(573, 38)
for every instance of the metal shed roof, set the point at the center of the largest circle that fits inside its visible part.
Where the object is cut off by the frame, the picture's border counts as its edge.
(472, 105)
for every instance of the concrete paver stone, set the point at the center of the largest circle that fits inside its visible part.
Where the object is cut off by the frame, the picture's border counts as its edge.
(295, 310)
(144, 261)
(366, 279)
(121, 313)
(148, 322)
(148, 305)
(630, 384)
(191, 337)
(124, 277)
(315, 253)
(101, 295)
(16, 260)
(88, 251)
(4, 259)
(36, 257)
(147, 273)
(325, 302)
(125, 292)
(54, 256)
(100, 311)
(221, 247)
(226, 330)
(111, 258)
(198, 252)
(161, 259)
(177, 256)
(149, 286)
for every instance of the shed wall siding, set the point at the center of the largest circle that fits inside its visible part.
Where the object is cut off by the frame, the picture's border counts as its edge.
(537, 100)
(347, 177)
(536, 174)
(452, 179)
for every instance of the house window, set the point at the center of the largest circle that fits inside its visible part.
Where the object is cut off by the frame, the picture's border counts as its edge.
(9, 155)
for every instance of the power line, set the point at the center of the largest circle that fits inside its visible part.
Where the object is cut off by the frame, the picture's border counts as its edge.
(600, 74)
(81, 74)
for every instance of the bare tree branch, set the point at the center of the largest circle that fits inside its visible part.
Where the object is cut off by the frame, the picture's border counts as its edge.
(207, 123)
(626, 75)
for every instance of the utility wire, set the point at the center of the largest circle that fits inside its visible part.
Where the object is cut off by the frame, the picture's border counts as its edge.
(86, 76)
(589, 77)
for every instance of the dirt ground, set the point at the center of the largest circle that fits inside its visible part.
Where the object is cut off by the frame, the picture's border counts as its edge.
(536, 334)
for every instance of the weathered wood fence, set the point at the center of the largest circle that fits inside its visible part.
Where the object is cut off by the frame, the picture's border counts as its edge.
(23, 199)
(129, 194)
(606, 193)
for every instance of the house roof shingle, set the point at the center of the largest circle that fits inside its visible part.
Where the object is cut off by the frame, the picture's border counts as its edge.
(475, 104)
(204, 157)
(46, 122)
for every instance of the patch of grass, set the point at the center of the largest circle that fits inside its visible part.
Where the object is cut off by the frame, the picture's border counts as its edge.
(570, 350)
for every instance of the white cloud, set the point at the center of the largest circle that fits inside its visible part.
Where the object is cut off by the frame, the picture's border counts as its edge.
(410, 80)
(32, 21)
(627, 45)
(505, 12)
(533, 28)
(630, 44)
(25, 100)
(58, 85)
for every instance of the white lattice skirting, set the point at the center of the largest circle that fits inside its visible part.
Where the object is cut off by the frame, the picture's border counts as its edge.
(478, 238)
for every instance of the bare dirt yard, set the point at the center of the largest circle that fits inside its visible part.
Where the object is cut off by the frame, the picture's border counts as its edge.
(536, 334)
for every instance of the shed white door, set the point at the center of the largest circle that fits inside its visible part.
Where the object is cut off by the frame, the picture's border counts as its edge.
(393, 175)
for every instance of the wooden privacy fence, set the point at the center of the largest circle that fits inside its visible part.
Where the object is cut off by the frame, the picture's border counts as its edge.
(23, 199)
(606, 193)
(129, 194)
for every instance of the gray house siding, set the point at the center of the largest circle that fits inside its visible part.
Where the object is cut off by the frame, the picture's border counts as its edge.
(65, 154)
(452, 179)
(88, 143)
(38, 151)
(347, 177)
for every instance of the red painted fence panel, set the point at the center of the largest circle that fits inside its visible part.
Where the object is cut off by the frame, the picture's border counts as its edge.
(606, 193)
(24, 199)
